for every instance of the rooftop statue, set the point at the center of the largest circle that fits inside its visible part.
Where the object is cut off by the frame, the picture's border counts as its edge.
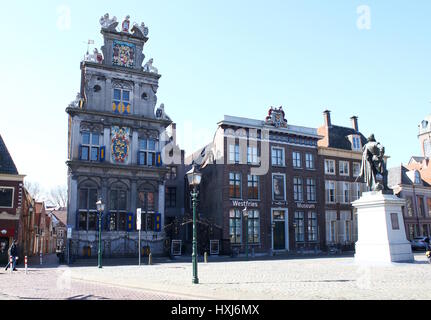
(77, 103)
(95, 57)
(140, 31)
(126, 24)
(161, 114)
(108, 24)
(373, 165)
(148, 67)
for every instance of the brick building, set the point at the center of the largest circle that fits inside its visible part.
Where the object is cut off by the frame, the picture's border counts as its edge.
(340, 152)
(271, 168)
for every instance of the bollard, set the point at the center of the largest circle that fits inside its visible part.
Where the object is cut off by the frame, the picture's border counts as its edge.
(25, 263)
(150, 259)
(11, 264)
(206, 257)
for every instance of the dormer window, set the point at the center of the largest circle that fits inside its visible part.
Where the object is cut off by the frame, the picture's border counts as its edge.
(424, 124)
(356, 143)
(418, 179)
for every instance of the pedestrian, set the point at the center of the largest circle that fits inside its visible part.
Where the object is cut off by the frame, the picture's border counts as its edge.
(12, 252)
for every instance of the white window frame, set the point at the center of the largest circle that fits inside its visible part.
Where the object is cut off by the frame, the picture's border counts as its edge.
(358, 165)
(296, 157)
(346, 188)
(252, 155)
(356, 143)
(311, 189)
(283, 160)
(327, 167)
(148, 151)
(13, 196)
(342, 165)
(327, 194)
(309, 159)
(298, 189)
(234, 153)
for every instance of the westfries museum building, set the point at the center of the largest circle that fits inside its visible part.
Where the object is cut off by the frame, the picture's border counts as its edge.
(115, 138)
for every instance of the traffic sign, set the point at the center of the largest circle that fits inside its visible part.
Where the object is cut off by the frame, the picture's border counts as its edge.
(138, 219)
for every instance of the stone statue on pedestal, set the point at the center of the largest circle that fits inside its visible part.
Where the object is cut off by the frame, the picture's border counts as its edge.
(373, 167)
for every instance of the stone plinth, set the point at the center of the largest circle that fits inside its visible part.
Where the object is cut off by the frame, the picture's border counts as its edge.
(381, 231)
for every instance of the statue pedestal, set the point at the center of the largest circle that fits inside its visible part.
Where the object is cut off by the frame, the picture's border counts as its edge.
(381, 230)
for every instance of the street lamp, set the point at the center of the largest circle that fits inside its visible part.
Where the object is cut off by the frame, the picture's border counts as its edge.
(100, 208)
(194, 177)
(245, 214)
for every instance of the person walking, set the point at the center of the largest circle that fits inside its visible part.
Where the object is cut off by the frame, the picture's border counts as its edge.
(12, 252)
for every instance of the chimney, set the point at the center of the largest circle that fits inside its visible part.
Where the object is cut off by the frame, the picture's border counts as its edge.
(354, 120)
(327, 118)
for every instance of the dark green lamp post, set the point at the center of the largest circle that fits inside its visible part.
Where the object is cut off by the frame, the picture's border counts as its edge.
(194, 177)
(245, 213)
(100, 208)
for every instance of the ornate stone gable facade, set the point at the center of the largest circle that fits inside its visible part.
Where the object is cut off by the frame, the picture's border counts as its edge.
(115, 138)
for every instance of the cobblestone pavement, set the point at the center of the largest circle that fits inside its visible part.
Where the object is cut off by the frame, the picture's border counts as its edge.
(53, 282)
(318, 278)
(302, 278)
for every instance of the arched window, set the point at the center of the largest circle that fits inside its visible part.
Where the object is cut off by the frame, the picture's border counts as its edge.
(147, 201)
(118, 205)
(87, 198)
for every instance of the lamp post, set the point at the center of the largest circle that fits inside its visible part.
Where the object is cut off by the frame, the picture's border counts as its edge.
(194, 177)
(100, 208)
(245, 214)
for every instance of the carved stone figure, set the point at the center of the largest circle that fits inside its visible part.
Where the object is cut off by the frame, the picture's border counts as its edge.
(108, 24)
(276, 117)
(77, 102)
(373, 165)
(161, 114)
(148, 67)
(140, 31)
(126, 24)
(95, 57)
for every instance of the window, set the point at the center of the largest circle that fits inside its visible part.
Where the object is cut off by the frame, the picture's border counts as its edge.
(421, 206)
(356, 146)
(426, 230)
(253, 187)
(90, 146)
(235, 226)
(329, 166)
(297, 189)
(299, 228)
(296, 159)
(333, 231)
(346, 187)
(252, 155)
(394, 221)
(312, 226)
(172, 173)
(146, 201)
(171, 197)
(234, 153)
(147, 152)
(348, 230)
(344, 168)
(253, 226)
(117, 208)
(309, 161)
(278, 185)
(330, 191)
(356, 169)
(87, 208)
(311, 189)
(6, 197)
(418, 179)
(429, 207)
(409, 204)
(121, 101)
(277, 156)
(235, 185)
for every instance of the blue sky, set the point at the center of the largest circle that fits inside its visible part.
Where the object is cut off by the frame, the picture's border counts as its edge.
(222, 57)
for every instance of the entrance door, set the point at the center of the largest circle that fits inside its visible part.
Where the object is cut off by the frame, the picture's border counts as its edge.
(4, 247)
(279, 229)
(279, 236)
